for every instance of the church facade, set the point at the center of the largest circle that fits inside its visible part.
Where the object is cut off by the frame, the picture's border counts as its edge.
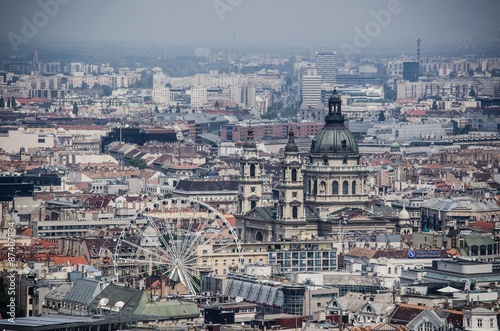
(330, 180)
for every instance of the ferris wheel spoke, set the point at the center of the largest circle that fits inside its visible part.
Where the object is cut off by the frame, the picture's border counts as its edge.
(142, 262)
(186, 240)
(160, 235)
(153, 241)
(151, 253)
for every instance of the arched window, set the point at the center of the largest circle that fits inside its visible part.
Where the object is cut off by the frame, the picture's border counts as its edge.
(253, 204)
(295, 212)
(335, 188)
(345, 188)
(294, 175)
(252, 170)
(353, 190)
(315, 187)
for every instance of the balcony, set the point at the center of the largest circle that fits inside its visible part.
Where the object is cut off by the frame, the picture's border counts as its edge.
(344, 169)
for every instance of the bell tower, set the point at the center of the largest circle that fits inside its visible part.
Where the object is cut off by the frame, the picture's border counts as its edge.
(250, 179)
(290, 187)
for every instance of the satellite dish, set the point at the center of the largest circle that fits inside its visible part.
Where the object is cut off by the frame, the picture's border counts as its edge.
(238, 299)
(103, 302)
(119, 304)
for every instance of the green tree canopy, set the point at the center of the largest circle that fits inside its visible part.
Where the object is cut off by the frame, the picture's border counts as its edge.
(138, 163)
(381, 116)
(75, 108)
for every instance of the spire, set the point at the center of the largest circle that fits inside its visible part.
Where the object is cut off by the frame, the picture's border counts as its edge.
(250, 142)
(334, 109)
(291, 146)
(291, 135)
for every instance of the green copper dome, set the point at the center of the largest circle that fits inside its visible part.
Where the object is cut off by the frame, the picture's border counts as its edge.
(334, 137)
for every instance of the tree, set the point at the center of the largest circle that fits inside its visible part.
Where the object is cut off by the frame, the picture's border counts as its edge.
(434, 105)
(216, 104)
(156, 109)
(289, 112)
(2, 102)
(471, 72)
(75, 108)
(106, 90)
(46, 109)
(472, 93)
(381, 116)
(8, 103)
(138, 163)
(288, 79)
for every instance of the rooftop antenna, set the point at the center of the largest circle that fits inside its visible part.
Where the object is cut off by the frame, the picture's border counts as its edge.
(418, 50)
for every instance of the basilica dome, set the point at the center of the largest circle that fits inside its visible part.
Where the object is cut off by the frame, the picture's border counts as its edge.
(334, 137)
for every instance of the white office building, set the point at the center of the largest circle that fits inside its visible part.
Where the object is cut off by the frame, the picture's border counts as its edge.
(311, 87)
(326, 64)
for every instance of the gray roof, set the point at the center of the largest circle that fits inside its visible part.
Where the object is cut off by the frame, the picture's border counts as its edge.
(84, 291)
(53, 322)
(459, 204)
(171, 309)
(114, 293)
(211, 137)
(58, 293)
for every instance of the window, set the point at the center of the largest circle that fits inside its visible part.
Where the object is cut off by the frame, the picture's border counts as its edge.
(335, 188)
(41, 140)
(294, 175)
(252, 170)
(253, 204)
(353, 190)
(295, 213)
(389, 270)
(479, 322)
(345, 188)
(492, 323)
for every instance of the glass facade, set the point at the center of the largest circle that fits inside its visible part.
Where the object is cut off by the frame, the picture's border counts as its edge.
(294, 299)
(303, 257)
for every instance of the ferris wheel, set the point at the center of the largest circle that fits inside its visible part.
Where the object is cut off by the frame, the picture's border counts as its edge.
(169, 238)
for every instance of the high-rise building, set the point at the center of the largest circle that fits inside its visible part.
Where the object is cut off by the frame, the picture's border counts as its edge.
(410, 71)
(326, 64)
(311, 87)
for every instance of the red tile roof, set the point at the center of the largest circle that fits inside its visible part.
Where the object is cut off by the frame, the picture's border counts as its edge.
(69, 260)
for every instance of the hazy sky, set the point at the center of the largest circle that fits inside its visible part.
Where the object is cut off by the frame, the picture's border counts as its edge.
(247, 22)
